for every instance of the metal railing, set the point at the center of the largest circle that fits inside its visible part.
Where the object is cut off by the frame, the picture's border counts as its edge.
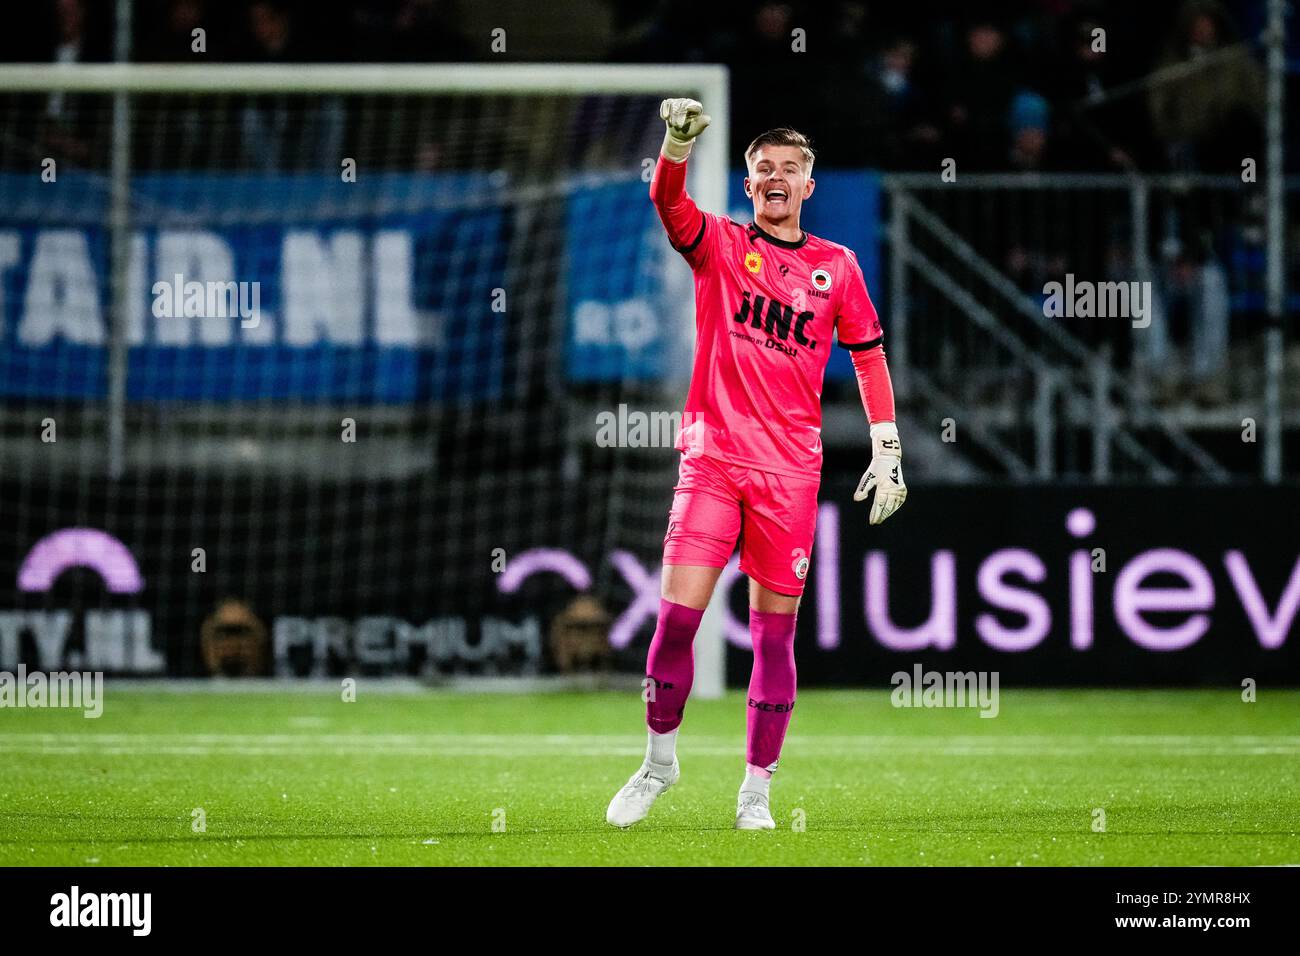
(1152, 396)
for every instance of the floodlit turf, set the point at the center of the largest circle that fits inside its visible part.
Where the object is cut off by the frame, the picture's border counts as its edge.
(300, 777)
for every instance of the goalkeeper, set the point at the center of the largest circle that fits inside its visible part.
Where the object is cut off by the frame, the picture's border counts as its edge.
(768, 298)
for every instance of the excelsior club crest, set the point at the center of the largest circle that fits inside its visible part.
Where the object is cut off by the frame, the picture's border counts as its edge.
(800, 563)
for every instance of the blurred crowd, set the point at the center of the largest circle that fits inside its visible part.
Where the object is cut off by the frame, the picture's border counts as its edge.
(1012, 85)
(1047, 85)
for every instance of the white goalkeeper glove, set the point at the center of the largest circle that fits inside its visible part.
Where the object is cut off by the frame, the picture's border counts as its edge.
(686, 120)
(885, 475)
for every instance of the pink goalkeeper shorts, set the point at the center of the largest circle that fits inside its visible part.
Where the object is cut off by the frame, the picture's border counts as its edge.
(773, 516)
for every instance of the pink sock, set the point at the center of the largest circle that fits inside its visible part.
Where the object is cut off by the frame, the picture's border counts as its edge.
(671, 665)
(771, 687)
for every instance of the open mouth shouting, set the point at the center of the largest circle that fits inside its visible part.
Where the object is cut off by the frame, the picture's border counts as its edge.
(776, 199)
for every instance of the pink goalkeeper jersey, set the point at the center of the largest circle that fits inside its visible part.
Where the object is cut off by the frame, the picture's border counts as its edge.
(765, 311)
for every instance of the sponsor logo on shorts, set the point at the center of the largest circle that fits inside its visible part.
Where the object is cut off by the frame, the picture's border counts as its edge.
(800, 564)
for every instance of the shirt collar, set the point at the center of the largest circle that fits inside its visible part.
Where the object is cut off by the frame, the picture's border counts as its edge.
(757, 232)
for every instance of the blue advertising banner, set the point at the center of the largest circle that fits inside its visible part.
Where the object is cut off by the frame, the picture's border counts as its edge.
(387, 289)
(620, 325)
(259, 287)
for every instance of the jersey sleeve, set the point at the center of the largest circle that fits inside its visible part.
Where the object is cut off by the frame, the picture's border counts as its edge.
(692, 232)
(874, 384)
(857, 327)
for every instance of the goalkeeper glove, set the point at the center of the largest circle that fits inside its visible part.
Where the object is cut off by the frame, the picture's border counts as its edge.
(885, 475)
(686, 120)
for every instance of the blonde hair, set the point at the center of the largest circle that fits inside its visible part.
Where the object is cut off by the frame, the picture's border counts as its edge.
(782, 136)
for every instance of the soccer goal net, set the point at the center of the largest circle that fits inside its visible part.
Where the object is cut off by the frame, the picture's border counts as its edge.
(382, 361)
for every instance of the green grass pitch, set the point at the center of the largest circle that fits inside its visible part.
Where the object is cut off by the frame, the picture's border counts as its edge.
(299, 777)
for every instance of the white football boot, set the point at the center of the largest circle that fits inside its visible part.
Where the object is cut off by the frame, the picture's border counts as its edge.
(752, 812)
(631, 804)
